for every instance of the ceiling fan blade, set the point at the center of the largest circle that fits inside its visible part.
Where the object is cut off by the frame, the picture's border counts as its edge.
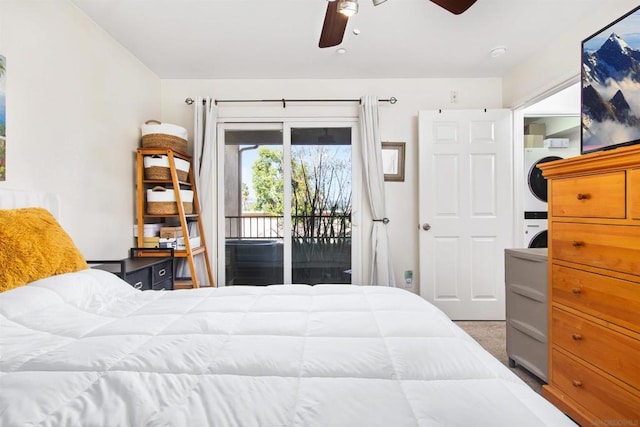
(455, 6)
(334, 26)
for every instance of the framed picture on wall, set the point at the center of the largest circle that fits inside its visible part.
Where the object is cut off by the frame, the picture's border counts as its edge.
(3, 117)
(393, 161)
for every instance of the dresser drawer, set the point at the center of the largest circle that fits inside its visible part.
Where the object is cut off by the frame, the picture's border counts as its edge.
(593, 196)
(634, 193)
(612, 247)
(614, 300)
(165, 285)
(162, 271)
(602, 397)
(140, 279)
(526, 271)
(528, 314)
(527, 349)
(611, 351)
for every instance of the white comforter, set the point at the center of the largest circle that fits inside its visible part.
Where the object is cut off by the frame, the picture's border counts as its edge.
(86, 349)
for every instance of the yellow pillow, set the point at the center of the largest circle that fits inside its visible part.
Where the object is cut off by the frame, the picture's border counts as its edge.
(34, 246)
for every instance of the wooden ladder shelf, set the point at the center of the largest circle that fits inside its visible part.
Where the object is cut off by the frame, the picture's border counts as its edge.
(185, 219)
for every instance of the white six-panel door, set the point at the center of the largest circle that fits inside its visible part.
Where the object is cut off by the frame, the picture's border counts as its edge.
(465, 210)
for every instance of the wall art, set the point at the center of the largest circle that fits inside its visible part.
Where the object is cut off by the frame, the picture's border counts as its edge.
(3, 117)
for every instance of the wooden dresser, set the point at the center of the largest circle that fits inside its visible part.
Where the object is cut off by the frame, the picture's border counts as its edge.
(594, 286)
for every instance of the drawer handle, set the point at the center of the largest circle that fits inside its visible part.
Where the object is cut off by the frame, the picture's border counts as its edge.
(138, 285)
(577, 244)
(162, 272)
(576, 337)
(576, 291)
(582, 196)
(576, 383)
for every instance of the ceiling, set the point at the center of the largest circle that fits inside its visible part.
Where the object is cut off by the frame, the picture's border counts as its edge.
(265, 39)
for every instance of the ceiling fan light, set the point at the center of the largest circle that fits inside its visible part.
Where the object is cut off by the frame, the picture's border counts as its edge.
(378, 2)
(348, 7)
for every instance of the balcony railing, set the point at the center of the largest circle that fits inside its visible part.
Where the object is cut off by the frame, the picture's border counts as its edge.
(320, 249)
(261, 226)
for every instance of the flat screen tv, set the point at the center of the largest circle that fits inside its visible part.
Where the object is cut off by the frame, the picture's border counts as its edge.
(611, 85)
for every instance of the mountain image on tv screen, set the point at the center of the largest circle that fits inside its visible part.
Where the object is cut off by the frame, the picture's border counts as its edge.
(611, 86)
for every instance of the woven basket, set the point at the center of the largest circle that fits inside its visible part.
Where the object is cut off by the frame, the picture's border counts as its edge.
(162, 173)
(160, 140)
(163, 140)
(168, 208)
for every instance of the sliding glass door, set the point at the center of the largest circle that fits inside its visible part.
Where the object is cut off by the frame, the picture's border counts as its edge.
(253, 214)
(287, 211)
(321, 205)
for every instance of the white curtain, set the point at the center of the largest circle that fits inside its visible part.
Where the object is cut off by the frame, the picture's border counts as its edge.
(204, 140)
(381, 267)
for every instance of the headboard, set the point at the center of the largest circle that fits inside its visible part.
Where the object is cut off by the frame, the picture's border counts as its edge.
(10, 199)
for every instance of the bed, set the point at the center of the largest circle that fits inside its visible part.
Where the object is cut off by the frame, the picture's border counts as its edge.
(86, 349)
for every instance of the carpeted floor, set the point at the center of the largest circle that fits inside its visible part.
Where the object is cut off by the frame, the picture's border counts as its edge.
(492, 336)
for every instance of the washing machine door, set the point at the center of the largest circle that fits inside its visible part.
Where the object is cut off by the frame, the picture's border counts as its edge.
(537, 182)
(539, 240)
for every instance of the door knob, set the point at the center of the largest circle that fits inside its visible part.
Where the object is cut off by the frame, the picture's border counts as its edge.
(426, 227)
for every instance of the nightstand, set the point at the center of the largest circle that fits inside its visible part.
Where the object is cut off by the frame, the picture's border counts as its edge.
(144, 273)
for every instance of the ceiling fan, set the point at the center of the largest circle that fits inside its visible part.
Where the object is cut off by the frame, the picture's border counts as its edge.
(339, 11)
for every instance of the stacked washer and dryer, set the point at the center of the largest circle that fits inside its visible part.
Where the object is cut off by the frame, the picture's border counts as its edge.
(535, 192)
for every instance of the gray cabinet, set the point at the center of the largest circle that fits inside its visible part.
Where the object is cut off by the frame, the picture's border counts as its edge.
(526, 298)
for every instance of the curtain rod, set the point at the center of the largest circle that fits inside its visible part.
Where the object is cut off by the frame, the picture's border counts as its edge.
(284, 101)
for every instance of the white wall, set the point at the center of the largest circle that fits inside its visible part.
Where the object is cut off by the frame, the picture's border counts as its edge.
(563, 103)
(558, 63)
(397, 123)
(76, 98)
(75, 102)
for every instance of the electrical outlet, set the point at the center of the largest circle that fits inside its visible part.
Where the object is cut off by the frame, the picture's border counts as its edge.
(453, 96)
(408, 278)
